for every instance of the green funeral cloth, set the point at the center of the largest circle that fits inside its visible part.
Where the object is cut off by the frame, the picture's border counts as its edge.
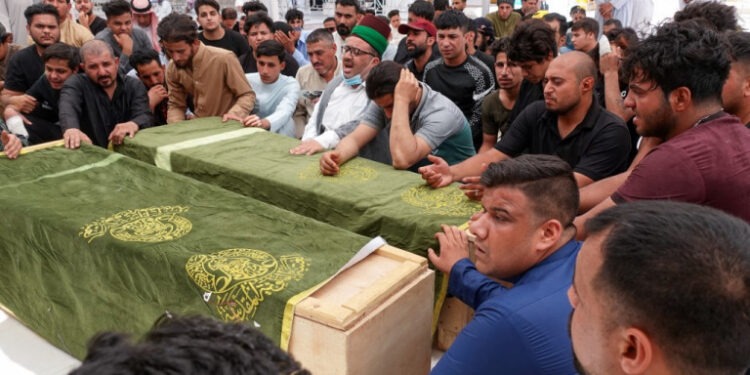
(94, 241)
(367, 197)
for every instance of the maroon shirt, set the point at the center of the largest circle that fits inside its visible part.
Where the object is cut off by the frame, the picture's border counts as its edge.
(708, 165)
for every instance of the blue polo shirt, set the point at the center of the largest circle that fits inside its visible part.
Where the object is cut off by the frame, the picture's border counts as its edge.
(523, 330)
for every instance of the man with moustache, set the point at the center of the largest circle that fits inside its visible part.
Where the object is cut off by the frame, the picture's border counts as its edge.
(420, 37)
(314, 77)
(344, 98)
(569, 123)
(149, 70)
(87, 18)
(102, 105)
(26, 66)
(497, 106)
(347, 15)
(524, 235)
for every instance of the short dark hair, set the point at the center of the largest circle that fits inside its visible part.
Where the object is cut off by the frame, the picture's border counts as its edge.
(738, 44)
(229, 14)
(630, 36)
(719, 16)
(254, 6)
(349, 3)
(382, 79)
(680, 272)
(329, 19)
(393, 12)
(258, 18)
(371, 11)
(62, 51)
(500, 45)
(143, 57)
(211, 3)
(37, 9)
(294, 14)
(577, 9)
(441, 5)
(283, 27)
(546, 180)
(681, 54)
(319, 35)
(189, 345)
(587, 24)
(561, 20)
(452, 19)
(423, 9)
(271, 48)
(116, 8)
(613, 21)
(177, 27)
(532, 40)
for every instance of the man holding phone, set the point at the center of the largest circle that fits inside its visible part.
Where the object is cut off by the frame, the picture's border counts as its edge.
(314, 77)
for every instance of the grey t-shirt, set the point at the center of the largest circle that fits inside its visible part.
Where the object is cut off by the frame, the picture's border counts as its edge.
(437, 120)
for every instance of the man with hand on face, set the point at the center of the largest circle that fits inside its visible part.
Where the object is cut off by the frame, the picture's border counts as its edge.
(61, 61)
(87, 18)
(120, 34)
(214, 33)
(345, 95)
(569, 124)
(26, 66)
(420, 37)
(276, 94)
(404, 122)
(524, 236)
(259, 28)
(102, 105)
(662, 288)
(149, 70)
(71, 32)
(314, 77)
(211, 76)
(347, 15)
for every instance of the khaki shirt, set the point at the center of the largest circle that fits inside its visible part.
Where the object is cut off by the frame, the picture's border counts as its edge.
(215, 81)
(309, 80)
(74, 34)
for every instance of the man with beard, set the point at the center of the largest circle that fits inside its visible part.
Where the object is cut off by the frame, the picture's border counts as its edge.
(87, 18)
(569, 124)
(735, 95)
(214, 34)
(497, 106)
(314, 77)
(149, 70)
(662, 288)
(26, 66)
(259, 28)
(61, 61)
(146, 21)
(102, 105)
(347, 15)
(70, 32)
(211, 75)
(420, 36)
(524, 235)
(420, 10)
(120, 34)
(676, 79)
(345, 95)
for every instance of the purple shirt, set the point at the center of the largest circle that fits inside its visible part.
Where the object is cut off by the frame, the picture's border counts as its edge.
(708, 165)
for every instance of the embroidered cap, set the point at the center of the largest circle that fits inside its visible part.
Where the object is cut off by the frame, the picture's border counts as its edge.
(374, 31)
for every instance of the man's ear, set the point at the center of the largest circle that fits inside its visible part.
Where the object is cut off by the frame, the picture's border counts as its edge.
(282, 64)
(746, 87)
(636, 351)
(548, 234)
(430, 40)
(680, 99)
(587, 84)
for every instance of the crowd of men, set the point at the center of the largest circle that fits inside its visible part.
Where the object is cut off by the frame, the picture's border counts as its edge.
(588, 129)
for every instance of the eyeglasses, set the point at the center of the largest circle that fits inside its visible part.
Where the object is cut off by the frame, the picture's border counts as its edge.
(356, 52)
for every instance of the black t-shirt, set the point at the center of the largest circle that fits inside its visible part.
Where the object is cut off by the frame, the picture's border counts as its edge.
(98, 25)
(232, 41)
(597, 148)
(44, 120)
(24, 68)
(249, 65)
(402, 55)
(409, 64)
(527, 94)
(466, 85)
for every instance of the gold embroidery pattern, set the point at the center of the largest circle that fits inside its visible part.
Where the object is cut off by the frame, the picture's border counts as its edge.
(447, 201)
(241, 278)
(152, 224)
(352, 172)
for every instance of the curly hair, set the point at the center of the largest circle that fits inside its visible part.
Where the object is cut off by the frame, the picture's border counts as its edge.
(533, 40)
(720, 17)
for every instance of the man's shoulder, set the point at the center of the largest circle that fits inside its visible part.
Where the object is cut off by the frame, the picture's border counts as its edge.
(105, 34)
(23, 54)
(434, 64)
(139, 34)
(218, 53)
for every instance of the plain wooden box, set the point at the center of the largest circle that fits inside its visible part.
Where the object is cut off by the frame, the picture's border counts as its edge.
(373, 318)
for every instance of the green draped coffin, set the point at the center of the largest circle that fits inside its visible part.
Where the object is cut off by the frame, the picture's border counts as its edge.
(93, 240)
(367, 197)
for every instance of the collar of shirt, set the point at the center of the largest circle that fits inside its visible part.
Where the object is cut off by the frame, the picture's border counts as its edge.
(199, 56)
(588, 122)
(541, 269)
